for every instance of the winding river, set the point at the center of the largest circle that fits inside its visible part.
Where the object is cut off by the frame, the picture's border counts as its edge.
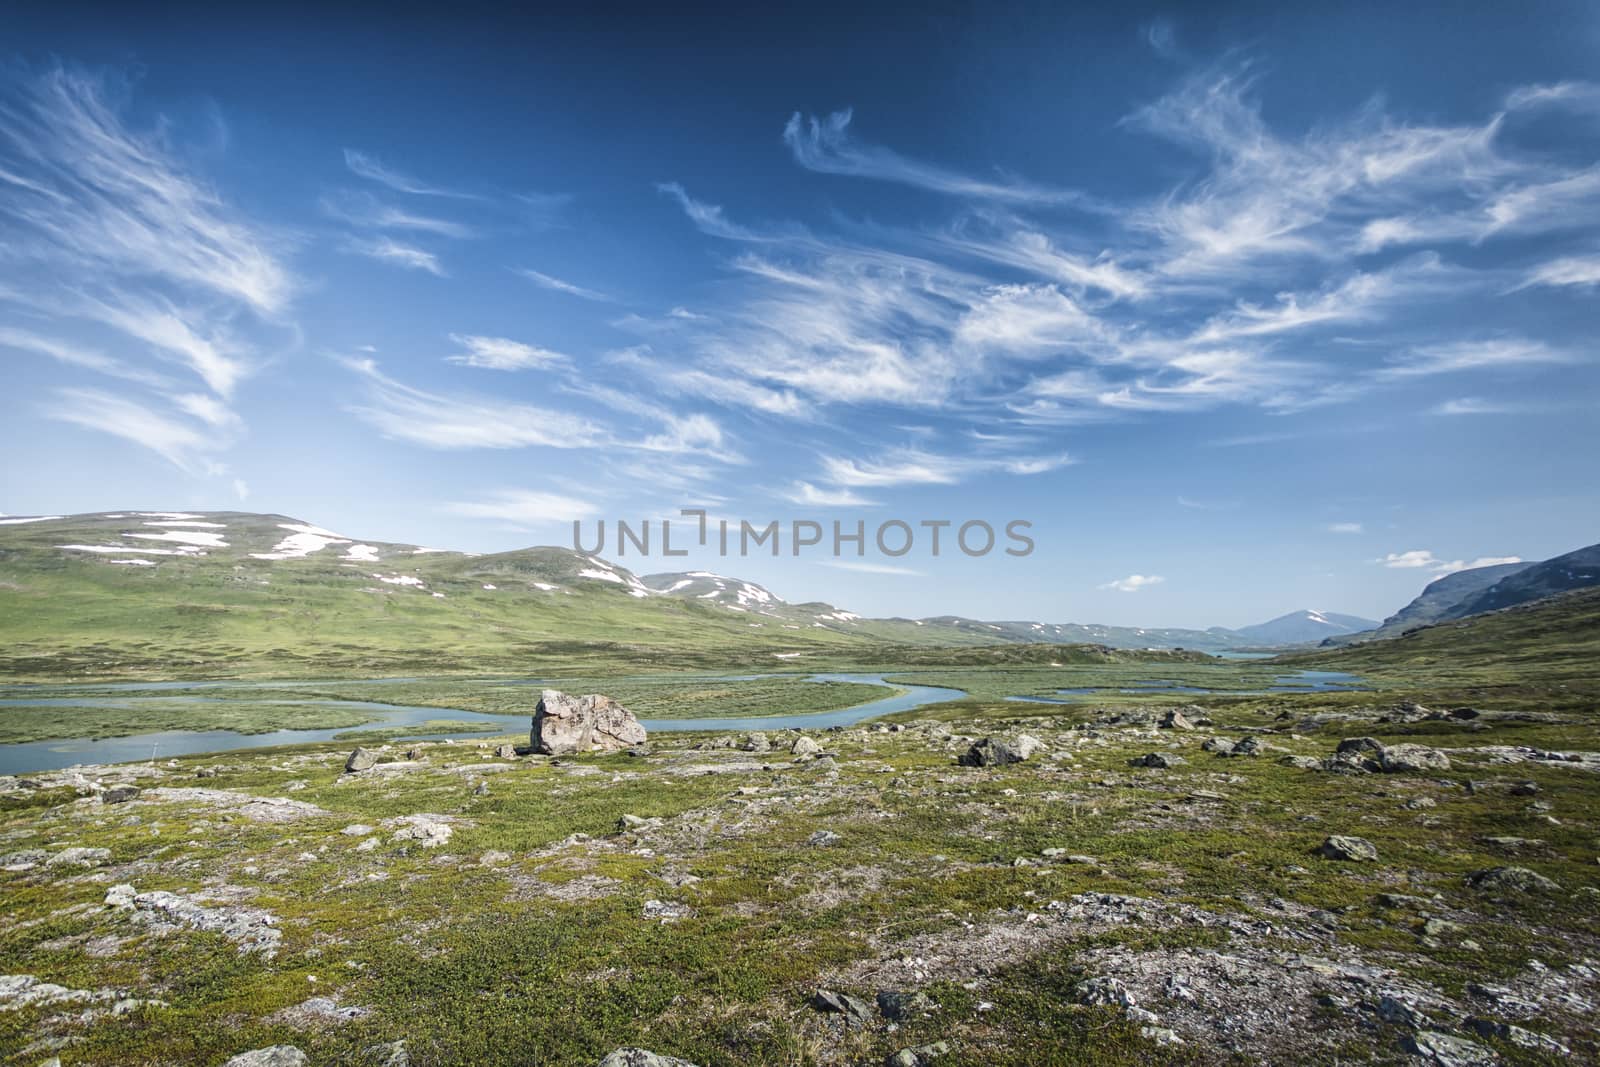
(32, 756)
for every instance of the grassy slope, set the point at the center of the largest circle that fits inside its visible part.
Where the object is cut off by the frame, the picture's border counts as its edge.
(1539, 654)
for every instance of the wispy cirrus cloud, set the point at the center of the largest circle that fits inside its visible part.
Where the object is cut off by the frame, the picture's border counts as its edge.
(810, 496)
(397, 253)
(181, 443)
(465, 421)
(111, 232)
(872, 568)
(525, 508)
(558, 285)
(1579, 271)
(366, 211)
(365, 166)
(825, 145)
(502, 353)
(1456, 356)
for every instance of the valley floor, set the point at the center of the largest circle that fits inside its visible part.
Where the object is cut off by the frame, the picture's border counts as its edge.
(731, 904)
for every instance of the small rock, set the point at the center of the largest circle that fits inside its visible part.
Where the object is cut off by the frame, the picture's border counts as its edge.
(481, 789)
(1100, 992)
(666, 911)
(360, 760)
(273, 1056)
(1516, 1035)
(1157, 759)
(824, 839)
(506, 751)
(854, 1009)
(121, 794)
(1442, 1050)
(756, 742)
(898, 1006)
(1354, 849)
(1399, 758)
(1174, 719)
(80, 857)
(1026, 745)
(989, 753)
(1515, 879)
(804, 746)
(638, 1057)
(920, 1056)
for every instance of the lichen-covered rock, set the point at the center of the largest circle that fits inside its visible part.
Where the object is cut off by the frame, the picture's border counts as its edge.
(804, 747)
(638, 1057)
(565, 725)
(1512, 879)
(273, 1056)
(1398, 758)
(989, 753)
(361, 759)
(1353, 849)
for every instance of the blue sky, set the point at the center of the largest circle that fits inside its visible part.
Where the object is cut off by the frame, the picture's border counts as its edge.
(1248, 312)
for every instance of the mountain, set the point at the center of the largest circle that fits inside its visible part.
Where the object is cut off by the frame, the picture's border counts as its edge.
(1441, 598)
(1575, 570)
(224, 593)
(1303, 627)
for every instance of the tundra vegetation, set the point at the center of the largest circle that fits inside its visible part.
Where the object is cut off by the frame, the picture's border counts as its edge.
(1210, 878)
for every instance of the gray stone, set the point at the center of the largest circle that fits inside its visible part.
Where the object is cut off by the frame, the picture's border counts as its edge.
(360, 760)
(1442, 1050)
(1354, 849)
(1175, 719)
(1400, 758)
(1026, 745)
(80, 857)
(1157, 759)
(854, 1009)
(989, 753)
(1104, 992)
(899, 1006)
(121, 794)
(1517, 1035)
(804, 746)
(756, 742)
(506, 751)
(273, 1056)
(920, 1056)
(565, 725)
(1513, 879)
(638, 1057)
(823, 839)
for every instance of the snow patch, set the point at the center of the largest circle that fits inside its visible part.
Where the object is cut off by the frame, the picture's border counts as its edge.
(604, 576)
(301, 542)
(33, 518)
(104, 549)
(134, 562)
(489, 587)
(546, 586)
(786, 655)
(184, 537)
(363, 553)
(181, 522)
(399, 579)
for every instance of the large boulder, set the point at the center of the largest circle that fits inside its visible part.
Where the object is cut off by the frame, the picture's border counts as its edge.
(988, 753)
(565, 725)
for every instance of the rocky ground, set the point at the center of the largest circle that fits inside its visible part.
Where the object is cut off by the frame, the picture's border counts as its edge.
(1141, 885)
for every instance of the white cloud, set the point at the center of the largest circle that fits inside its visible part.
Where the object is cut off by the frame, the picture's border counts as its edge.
(807, 495)
(77, 356)
(1417, 557)
(438, 421)
(1346, 528)
(179, 443)
(501, 353)
(367, 167)
(100, 199)
(388, 250)
(546, 281)
(905, 467)
(825, 145)
(870, 568)
(368, 212)
(1568, 270)
(1134, 582)
(1422, 558)
(1471, 405)
(1455, 356)
(525, 507)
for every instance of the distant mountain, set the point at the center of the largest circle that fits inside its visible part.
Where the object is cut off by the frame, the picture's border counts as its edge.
(1442, 598)
(1303, 627)
(1575, 570)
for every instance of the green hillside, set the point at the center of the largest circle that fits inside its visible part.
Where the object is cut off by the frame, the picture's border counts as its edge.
(239, 595)
(1539, 653)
